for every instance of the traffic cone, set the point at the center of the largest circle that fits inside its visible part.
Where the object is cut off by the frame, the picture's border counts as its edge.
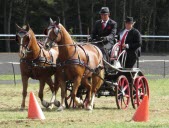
(34, 110)
(142, 112)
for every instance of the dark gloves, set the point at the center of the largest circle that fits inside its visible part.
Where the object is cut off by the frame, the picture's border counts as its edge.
(104, 39)
(89, 39)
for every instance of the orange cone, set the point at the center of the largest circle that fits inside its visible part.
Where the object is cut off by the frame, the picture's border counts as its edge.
(142, 112)
(34, 110)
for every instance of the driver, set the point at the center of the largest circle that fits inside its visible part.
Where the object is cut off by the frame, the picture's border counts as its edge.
(105, 30)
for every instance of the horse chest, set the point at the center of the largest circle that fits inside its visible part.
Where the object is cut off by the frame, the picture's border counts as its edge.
(36, 72)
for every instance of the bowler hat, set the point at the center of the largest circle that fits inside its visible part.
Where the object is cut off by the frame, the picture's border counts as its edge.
(104, 10)
(129, 20)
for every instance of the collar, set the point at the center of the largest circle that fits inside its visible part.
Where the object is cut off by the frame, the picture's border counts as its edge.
(128, 29)
(105, 21)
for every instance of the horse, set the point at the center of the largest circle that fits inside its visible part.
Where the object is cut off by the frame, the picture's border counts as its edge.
(36, 63)
(80, 63)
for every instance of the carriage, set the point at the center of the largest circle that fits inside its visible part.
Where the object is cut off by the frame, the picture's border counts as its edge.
(86, 74)
(125, 84)
(82, 73)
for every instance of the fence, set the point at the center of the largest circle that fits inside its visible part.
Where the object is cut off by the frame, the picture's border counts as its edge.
(152, 69)
(151, 65)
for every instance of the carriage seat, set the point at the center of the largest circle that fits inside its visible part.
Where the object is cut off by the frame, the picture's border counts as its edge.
(117, 56)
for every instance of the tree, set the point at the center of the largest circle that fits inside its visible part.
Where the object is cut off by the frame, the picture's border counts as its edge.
(124, 12)
(25, 11)
(79, 17)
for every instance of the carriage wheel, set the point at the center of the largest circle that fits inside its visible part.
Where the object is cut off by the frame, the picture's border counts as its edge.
(69, 102)
(139, 90)
(122, 92)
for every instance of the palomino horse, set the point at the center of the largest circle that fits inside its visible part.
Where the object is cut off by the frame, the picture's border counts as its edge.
(81, 64)
(35, 62)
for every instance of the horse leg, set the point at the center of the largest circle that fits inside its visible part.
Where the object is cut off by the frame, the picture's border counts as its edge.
(63, 94)
(56, 88)
(40, 94)
(96, 83)
(76, 85)
(51, 85)
(87, 83)
(24, 90)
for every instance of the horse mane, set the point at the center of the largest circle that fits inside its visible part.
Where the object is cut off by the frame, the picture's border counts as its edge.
(33, 38)
(33, 44)
(66, 34)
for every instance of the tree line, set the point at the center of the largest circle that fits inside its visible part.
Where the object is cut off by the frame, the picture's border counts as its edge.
(79, 16)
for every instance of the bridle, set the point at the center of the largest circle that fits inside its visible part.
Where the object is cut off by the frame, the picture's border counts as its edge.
(57, 30)
(22, 34)
(71, 60)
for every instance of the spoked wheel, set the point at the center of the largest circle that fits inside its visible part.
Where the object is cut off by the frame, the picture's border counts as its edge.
(122, 92)
(139, 90)
(69, 102)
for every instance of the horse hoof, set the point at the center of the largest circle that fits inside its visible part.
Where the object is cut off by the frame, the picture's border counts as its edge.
(51, 106)
(22, 109)
(81, 105)
(56, 103)
(45, 104)
(61, 108)
(89, 108)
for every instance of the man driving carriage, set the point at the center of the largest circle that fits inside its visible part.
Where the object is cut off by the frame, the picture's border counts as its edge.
(104, 32)
(130, 39)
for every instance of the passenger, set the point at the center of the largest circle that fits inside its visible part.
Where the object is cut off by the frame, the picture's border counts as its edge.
(130, 39)
(105, 30)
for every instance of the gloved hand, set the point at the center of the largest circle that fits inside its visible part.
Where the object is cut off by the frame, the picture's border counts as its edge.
(89, 39)
(104, 39)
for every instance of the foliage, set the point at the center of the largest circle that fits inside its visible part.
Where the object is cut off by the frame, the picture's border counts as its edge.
(151, 16)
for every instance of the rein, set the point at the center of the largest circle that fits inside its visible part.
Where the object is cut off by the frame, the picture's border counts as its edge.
(38, 59)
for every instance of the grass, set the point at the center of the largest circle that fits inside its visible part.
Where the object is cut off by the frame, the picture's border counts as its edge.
(105, 114)
(10, 77)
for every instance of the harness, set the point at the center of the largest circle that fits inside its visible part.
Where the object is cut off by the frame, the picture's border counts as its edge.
(70, 60)
(42, 60)
(78, 61)
(39, 60)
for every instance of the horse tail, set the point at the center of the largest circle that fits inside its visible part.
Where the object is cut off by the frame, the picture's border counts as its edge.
(102, 73)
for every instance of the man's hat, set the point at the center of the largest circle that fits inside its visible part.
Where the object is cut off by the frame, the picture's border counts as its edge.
(104, 10)
(129, 20)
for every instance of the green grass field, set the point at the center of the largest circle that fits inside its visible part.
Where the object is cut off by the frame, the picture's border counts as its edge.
(105, 114)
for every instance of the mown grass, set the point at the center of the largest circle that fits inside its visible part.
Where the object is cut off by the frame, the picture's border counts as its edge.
(105, 114)
(10, 77)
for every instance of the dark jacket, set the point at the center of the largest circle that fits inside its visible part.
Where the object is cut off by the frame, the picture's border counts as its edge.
(134, 41)
(108, 32)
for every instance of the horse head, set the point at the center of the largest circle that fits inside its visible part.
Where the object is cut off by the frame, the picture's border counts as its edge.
(23, 39)
(53, 33)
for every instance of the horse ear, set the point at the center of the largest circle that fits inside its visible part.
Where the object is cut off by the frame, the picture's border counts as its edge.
(57, 21)
(51, 21)
(27, 27)
(45, 31)
(18, 27)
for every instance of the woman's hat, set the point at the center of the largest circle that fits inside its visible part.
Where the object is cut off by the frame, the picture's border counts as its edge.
(129, 20)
